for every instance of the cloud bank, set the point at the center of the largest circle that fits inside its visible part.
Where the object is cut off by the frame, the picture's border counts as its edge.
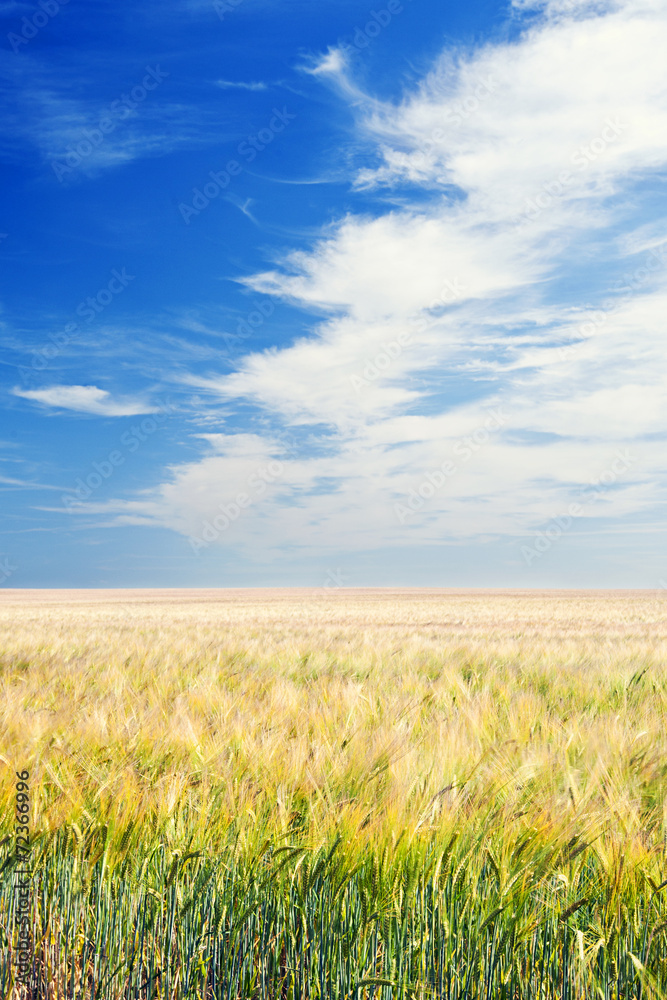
(519, 281)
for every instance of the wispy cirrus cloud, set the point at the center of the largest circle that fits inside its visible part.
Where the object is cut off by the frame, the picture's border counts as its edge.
(9, 482)
(526, 174)
(85, 399)
(241, 85)
(75, 125)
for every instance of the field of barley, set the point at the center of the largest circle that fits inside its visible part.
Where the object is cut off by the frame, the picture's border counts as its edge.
(337, 794)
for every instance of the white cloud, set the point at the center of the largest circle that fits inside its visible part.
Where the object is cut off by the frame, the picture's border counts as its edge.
(240, 85)
(333, 63)
(535, 155)
(74, 129)
(85, 399)
(9, 481)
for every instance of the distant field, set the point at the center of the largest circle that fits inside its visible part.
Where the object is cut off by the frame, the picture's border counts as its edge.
(336, 794)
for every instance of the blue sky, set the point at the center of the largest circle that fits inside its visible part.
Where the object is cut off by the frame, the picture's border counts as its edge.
(333, 293)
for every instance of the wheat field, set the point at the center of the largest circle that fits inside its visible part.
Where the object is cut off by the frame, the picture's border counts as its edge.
(337, 793)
